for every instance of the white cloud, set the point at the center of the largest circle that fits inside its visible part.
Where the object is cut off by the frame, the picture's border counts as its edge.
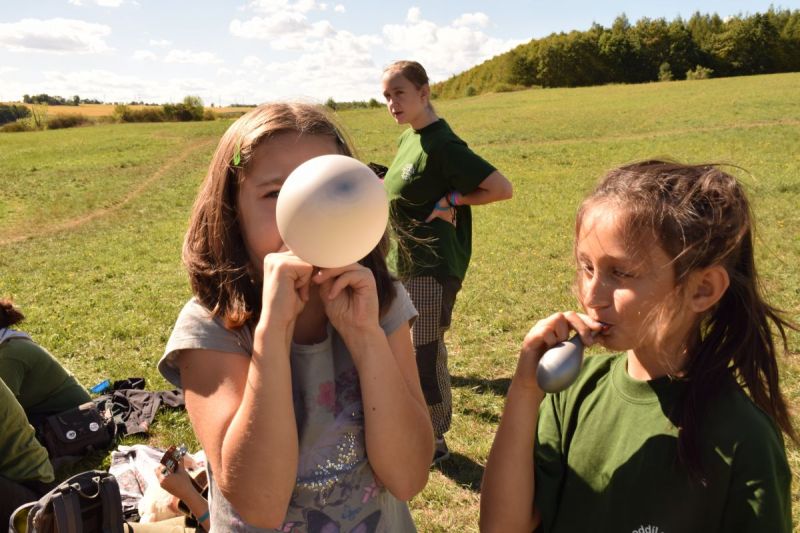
(113, 87)
(270, 27)
(276, 7)
(444, 50)
(7, 70)
(144, 55)
(252, 62)
(160, 42)
(479, 20)
(195, 58)
(101, 3)
(339, 8)
(55, 35)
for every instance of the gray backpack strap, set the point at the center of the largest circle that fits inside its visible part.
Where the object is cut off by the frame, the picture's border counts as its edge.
(112, 505)
(67, 511)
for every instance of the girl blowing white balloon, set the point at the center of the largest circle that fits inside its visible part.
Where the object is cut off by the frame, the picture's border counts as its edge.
(680, 432)
(300, 382)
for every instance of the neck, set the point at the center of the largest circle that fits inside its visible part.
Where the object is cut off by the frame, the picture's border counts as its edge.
(655, 364)
(425, 118)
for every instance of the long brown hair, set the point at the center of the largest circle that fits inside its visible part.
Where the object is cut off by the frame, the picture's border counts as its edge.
(214, 253)
(9, 314)
(700, 216)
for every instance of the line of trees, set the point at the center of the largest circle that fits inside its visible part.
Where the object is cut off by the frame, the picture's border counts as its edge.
(649, 50)
(50, 100)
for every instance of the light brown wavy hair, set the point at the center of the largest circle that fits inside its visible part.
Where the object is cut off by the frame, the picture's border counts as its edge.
(700, 216)
(214, 252)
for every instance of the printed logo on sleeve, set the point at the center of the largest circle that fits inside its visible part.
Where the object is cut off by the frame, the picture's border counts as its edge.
(408, 171)
(648, 529)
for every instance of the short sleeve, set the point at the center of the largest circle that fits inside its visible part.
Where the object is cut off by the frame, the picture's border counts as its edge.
(549, 461)
(401, 310)
(463, 168)
(197, 329)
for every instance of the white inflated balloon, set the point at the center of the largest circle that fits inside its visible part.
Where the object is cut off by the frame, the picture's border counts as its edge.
(332, 211)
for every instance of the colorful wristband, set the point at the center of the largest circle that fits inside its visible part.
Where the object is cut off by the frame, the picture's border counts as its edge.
(437, 207)
(452, 198)
(202, 518)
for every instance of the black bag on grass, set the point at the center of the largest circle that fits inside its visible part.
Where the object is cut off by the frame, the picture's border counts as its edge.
(78, 431)
(88, 502)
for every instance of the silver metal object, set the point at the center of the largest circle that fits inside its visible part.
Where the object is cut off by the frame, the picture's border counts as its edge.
(560, 365)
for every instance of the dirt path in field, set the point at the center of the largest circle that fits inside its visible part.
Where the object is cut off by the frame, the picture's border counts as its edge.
(71, 224)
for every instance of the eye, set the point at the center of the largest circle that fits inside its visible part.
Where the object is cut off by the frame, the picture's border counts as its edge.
(272, 194)
(587, 268)
(622, 274)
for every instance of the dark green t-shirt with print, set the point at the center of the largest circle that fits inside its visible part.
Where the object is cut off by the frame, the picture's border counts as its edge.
(605, 460)
(431, 162)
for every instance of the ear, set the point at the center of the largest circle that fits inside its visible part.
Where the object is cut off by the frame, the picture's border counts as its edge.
(706, 287)
(425, 92)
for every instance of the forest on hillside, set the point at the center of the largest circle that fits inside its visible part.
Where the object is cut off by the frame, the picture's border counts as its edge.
(649, 50)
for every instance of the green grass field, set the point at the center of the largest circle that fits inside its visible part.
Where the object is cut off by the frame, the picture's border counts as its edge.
(92, 220)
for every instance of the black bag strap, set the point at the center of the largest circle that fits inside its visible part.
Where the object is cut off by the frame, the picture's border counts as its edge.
(112, 505)
(67, 511)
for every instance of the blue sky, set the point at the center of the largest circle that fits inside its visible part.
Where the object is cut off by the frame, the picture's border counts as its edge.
(252, 51)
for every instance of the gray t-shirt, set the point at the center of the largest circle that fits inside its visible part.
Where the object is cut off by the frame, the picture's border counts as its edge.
(336, 489)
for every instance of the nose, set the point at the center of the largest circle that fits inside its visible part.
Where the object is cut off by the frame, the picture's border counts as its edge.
(596, 292)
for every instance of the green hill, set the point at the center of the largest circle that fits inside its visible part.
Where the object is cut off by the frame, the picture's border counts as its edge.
(649, 50)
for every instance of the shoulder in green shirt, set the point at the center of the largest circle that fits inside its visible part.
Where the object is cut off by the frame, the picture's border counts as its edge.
(606, 460)
(37, 380)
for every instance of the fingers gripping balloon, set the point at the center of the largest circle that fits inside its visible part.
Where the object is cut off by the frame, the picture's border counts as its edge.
(332, 211)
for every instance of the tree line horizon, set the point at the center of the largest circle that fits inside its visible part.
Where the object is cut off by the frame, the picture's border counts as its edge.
(650, 50)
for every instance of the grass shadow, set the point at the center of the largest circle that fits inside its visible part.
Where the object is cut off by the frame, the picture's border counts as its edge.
(463, 470)
(497, 386)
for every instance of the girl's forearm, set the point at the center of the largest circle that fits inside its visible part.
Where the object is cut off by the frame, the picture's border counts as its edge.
(507, 490)
(198, 506)
(398, 431)
(493, 189)
(260, 448)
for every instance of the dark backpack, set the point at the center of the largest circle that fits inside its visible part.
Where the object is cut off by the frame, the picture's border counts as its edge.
(88, 502)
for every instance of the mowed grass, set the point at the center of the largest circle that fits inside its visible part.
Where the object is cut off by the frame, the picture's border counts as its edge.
(92, 219)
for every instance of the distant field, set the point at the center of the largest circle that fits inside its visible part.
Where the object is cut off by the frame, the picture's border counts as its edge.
(106, 110)
(92, 219)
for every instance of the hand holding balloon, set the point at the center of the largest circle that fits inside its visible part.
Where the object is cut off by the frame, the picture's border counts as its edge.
(332, 211)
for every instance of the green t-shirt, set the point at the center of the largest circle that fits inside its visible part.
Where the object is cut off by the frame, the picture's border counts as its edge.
(39, 383)
(22, 458)
(430, 163)
(606, 460)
